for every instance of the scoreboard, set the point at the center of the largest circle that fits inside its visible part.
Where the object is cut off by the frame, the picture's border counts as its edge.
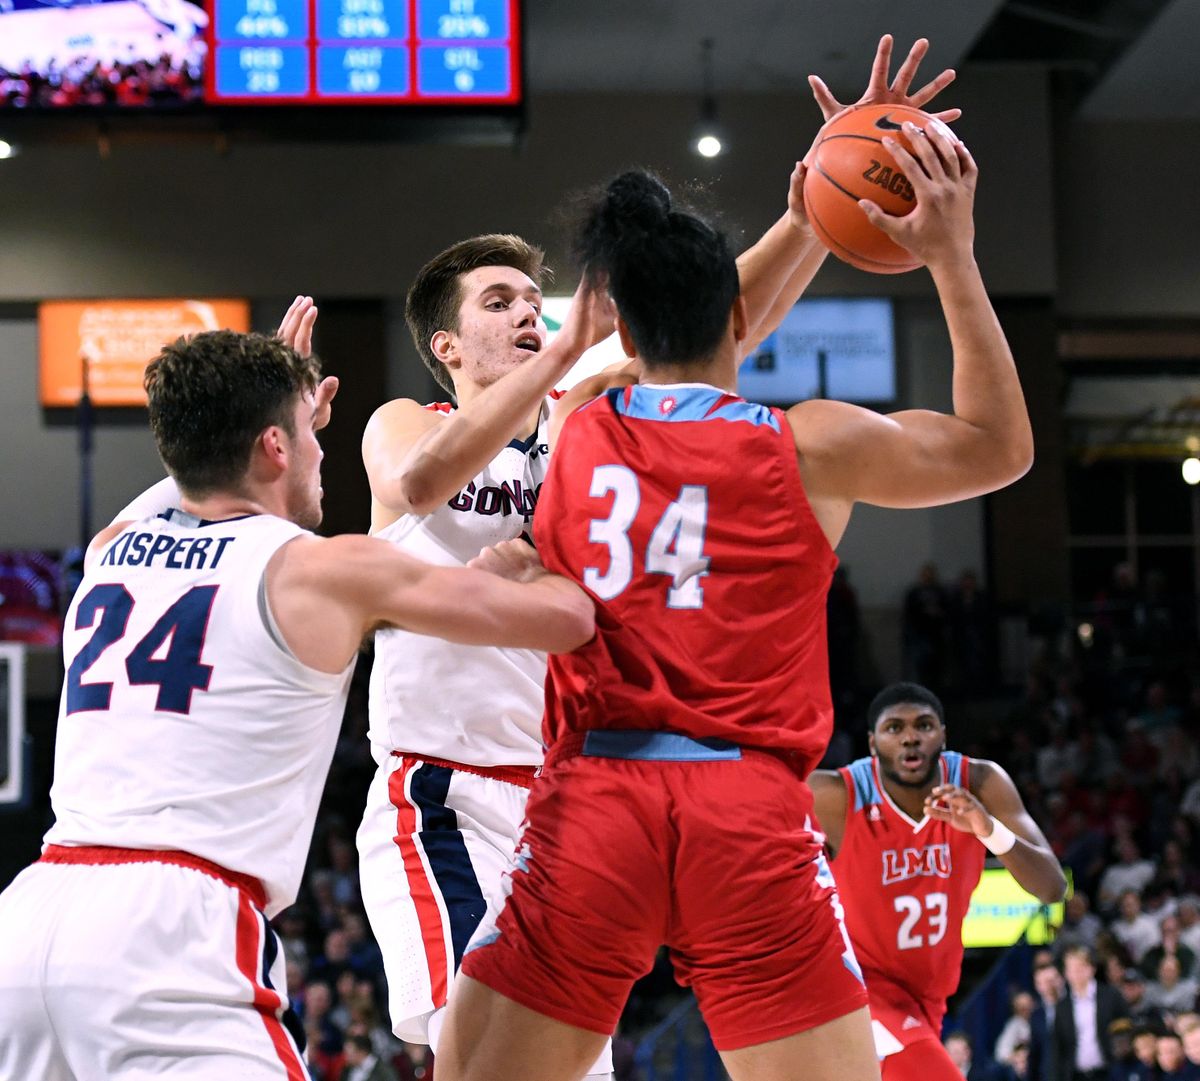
(343, 52)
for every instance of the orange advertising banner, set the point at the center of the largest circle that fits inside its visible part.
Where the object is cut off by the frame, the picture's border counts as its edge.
(119, 338)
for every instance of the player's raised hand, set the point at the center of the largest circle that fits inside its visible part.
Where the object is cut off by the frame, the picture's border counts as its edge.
(297, 326)
(959, 808)
(323, 398)
(592, 316)
(879, 92)
(516, 560)
(943, 174)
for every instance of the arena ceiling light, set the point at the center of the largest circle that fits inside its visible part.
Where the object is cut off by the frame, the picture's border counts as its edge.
(708, 139)
(7, 150)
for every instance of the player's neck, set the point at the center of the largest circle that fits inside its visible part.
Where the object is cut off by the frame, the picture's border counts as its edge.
(222, 506)
(910, 800)
(720, 371)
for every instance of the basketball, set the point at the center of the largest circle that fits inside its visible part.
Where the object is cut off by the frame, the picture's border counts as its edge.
(850, 162)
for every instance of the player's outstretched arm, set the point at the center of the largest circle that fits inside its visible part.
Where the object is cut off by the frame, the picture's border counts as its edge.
(416, 460)
(919, 458)
(326, 594)
(993, 811)
(778, 268)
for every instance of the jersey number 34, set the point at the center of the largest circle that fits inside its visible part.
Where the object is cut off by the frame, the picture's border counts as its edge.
(675, 548)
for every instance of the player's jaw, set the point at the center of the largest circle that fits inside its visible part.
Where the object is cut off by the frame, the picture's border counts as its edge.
(912, 767)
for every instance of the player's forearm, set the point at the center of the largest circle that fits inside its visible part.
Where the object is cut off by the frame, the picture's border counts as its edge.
(444, 460)
(987, 390)
(774, 272)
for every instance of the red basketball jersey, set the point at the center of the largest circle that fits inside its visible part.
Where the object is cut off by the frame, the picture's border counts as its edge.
(681, 510)
(906, 887)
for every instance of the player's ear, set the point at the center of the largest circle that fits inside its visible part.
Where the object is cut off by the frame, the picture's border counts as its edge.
(627, 345)
(739, 319)
(871, 742)
(444, 346)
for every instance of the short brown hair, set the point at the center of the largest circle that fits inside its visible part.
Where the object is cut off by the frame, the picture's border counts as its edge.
(435, 298)
(210, 397)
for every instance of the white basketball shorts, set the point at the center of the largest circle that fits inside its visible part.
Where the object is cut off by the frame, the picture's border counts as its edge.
(116, 966)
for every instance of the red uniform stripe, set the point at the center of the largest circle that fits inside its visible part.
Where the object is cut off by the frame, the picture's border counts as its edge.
(266, 1001)
(429, 916)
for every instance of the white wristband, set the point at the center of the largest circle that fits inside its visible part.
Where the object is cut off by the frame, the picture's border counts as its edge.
(1000, 840)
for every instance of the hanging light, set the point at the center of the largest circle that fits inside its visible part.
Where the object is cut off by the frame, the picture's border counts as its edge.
(708, 139)
(1191, 470)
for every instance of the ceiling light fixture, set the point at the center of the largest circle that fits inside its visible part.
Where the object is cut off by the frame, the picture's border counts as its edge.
(707, 139)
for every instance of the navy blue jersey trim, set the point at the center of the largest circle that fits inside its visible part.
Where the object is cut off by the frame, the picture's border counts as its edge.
(290, 1020)
(447, 854)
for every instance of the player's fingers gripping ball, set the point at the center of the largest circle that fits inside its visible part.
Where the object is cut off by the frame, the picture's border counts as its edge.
(849, 162)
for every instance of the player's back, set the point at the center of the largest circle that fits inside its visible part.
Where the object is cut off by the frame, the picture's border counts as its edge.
(906, 886)
(682, 510)
(186, 723)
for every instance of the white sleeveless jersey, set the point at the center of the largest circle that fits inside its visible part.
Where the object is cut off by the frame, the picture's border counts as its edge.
(479, 705)
(185, 722)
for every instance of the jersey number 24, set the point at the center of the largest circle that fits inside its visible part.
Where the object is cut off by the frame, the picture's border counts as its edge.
(675, 548)
(177, 672)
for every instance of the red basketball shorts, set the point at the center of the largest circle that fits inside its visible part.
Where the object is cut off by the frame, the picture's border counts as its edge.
(715, 857)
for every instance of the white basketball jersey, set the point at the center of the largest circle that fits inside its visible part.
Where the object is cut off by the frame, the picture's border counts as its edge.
(480, 705)
(185, 722)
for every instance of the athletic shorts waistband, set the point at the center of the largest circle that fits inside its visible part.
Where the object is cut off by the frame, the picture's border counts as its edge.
(521, 776)
(97, 855)
(644, 745)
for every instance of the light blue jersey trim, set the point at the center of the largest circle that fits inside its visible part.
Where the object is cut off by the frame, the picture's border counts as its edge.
(650, 746)
(953, 762)
(866, 790)
(688, 403)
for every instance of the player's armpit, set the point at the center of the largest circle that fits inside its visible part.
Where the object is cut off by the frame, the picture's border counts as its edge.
(587, 389)
(391, 448)
(1031, 860)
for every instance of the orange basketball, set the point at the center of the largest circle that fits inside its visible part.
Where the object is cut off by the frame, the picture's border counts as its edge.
(850, 162)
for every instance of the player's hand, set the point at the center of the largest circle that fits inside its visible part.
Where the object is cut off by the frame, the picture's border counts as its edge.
(941, 228)
(323, 399)
(878, 91)
(591, 319)
(296, 328)
(516, 560)
(795, 202)
(959, 808)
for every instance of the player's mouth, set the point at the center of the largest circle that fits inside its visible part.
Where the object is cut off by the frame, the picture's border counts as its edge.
(531, 343)
(912, 760)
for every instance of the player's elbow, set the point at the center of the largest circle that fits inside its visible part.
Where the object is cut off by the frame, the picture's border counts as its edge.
(1051, 893)
(411, 491)
(571, 623)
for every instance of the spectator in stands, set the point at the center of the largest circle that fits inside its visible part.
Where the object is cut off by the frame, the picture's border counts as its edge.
(973, 637)
(958, 1047)
(1019, 1063)
(925, 630)
(1095, 758)
(324, 1037)
(1080, 1049)
(1176, 874)
(1125, 1065)
(1141, 1010)
(1048, 986)
(1136, 931)
(1172, 1065)
(1016, 1029)
(1054, 761)
(1189, 1031)
(1145, 1048)
(1170, 991)
(1188, 912)
(363, 1064)
(1171, 944)
(1129, 872)
(1080, 926)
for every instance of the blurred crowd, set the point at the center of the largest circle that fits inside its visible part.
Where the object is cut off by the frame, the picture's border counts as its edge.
(85, 81)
